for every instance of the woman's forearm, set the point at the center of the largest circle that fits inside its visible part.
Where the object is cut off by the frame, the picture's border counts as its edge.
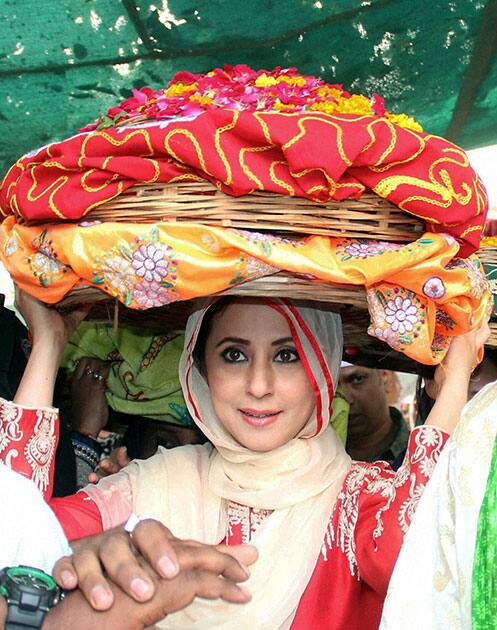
(453, 395)
(38, 381)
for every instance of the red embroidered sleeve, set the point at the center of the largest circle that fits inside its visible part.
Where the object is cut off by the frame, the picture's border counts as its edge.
(376, 505)
(28, 439)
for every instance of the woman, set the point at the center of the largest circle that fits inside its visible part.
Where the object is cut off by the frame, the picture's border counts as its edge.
(258, 377)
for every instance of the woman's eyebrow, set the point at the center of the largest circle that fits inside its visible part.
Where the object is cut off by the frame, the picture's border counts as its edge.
(246, 342)
(243, 342)
(282, 340)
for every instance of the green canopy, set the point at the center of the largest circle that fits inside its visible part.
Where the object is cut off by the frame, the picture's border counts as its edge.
(64, 62)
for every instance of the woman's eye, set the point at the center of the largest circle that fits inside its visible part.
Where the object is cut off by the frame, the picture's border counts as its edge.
(233, 355)
(287, 355)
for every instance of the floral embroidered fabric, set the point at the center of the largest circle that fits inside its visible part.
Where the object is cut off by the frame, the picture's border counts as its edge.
(418, 297)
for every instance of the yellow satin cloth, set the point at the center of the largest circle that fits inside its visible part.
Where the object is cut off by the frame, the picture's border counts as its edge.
(418, 295)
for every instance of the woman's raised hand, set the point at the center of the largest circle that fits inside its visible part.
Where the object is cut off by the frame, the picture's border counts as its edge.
(45, 322)
(452, 378)
(50, 332)
(462, 356)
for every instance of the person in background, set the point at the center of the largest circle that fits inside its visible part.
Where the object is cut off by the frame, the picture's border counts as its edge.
(14, 351)
(426, 387)
(376, 431)
(445, 574)
(98, 452)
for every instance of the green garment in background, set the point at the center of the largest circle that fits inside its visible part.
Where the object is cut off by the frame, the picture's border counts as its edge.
(143, 379)
(65, 62)
(340, 417)
(484, 592)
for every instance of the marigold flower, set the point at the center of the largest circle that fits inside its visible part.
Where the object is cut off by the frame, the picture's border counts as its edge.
(403, 120)
(178, 89)
(265, 80)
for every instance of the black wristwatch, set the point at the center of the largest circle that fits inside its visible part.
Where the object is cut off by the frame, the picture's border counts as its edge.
(30, 594)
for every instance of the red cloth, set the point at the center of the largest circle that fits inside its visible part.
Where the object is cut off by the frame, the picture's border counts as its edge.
(78, 515)
(314, 155)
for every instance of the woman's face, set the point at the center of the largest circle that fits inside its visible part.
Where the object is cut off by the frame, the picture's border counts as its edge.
(259, 388)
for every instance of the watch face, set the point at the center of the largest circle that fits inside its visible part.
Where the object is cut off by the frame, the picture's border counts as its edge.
(27, 576)
(31, 580)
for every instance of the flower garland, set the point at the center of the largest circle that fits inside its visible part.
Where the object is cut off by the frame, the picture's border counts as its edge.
(241, 88)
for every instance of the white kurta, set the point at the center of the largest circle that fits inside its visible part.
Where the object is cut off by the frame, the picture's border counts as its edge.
(432, 580)
(29, 532)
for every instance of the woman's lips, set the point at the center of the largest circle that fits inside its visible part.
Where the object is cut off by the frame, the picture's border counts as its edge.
(259, 418)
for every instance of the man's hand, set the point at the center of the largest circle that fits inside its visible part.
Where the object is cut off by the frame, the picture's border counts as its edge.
(126, 614)
(90, 411)
(117, 460)
(187, 567)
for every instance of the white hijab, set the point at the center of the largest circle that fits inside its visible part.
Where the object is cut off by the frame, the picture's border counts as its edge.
(189, 488)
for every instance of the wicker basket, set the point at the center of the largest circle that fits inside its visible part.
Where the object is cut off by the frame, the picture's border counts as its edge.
(492, 340)
(349, 301)
(204, 203)
(488, 255)
(278, 285)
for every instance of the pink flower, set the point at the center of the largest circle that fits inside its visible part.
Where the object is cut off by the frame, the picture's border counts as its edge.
(150, 263)
(434, 288)
(378, 104)
(192, 109)
(151, 295)
(168, 107)
(139, 99)
(401, 314)
(187, 78)
(240, 72)
(235, 87)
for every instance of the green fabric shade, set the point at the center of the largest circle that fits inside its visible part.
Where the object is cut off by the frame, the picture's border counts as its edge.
(64, 62)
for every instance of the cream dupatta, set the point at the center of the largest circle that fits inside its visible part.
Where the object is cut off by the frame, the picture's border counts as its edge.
(189, 488)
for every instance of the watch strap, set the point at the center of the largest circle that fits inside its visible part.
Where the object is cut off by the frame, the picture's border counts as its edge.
(25, 613)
